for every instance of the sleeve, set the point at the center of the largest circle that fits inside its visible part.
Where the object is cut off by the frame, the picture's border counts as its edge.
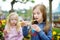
(25, 30)
(6, 36)
(47, 36)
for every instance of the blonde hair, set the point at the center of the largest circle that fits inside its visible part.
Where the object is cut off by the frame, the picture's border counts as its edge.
(8, 21)
(43, 10)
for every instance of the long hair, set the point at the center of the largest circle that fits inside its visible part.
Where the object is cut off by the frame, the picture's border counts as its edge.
(43, 10)
(8, 21)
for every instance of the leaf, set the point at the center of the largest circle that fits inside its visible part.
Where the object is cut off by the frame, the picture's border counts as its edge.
(32, 1)
(22, 0)
(4, 0)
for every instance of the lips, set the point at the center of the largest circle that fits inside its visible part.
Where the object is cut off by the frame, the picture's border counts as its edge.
(36, 18)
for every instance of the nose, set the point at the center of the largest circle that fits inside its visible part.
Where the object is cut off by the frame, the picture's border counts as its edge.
(14, 21)
(35, 15)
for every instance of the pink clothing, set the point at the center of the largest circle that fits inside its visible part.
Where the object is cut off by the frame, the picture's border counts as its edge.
(13, 34)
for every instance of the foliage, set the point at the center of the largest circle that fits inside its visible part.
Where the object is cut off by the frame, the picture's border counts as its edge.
(2, 25)
(56, 33)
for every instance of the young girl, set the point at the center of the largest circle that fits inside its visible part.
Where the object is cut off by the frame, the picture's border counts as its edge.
(41, 30)
(13, 30)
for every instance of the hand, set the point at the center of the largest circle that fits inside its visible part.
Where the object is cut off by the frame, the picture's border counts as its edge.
(36, 28)
(5, 32)
(24, 23)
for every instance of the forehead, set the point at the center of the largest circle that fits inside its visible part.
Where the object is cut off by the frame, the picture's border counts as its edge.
(14, 17)
(36, 10)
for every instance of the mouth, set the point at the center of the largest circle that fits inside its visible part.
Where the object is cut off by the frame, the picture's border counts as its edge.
(36, 18)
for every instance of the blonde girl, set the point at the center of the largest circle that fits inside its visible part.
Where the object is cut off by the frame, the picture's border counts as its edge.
(13, 30)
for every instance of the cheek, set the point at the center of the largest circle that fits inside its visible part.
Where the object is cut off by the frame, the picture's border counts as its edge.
(15, 21)
(40, 16)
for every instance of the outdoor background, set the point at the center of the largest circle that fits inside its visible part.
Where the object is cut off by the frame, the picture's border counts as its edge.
(24, 10)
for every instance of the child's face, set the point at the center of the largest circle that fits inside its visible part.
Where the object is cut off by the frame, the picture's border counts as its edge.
(13, 20)
(37, 14)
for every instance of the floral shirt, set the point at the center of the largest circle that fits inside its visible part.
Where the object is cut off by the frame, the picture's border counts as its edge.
(13, 34)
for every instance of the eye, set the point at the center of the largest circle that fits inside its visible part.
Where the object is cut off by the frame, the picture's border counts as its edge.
(11, 19)
(15, 19)
(38, 13)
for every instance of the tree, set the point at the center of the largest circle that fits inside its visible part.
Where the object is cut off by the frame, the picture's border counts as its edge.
(22, 1)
